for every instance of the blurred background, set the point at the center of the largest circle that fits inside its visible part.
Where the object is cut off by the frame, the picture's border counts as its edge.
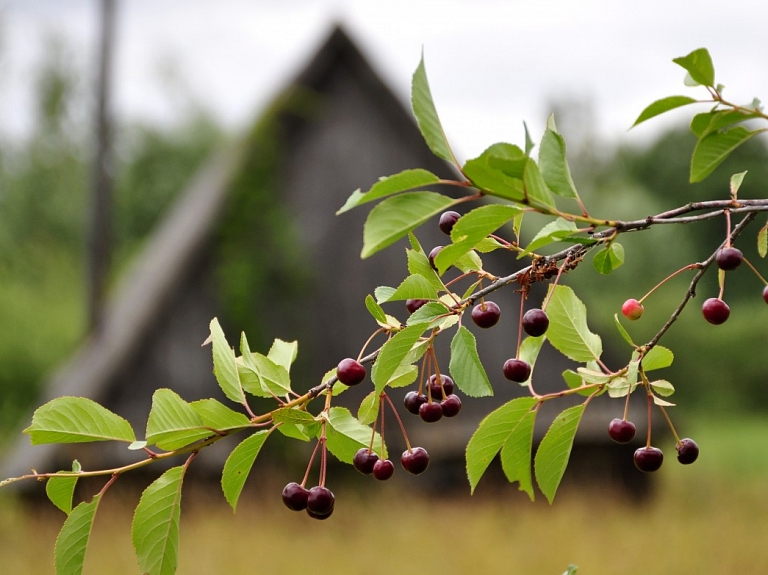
(164, 164)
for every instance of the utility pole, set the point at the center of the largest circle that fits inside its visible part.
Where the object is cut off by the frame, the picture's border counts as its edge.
(100, 233)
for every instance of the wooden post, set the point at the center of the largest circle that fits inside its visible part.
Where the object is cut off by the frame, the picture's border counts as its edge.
(100, 234)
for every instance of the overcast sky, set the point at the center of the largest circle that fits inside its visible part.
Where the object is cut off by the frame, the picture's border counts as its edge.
(491, 63)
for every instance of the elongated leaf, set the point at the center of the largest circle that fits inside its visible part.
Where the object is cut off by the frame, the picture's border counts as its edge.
(663, 105)
(259, 375)
(238, 466)
(493, 432)
(155, 527)
(69, 552)
(553, 163)
(516, 454)
(418, 263)
(404, 376)
(608, 259)
(293, 415)
(414, 286)
(396, 216)
(283, 353)
(77, 420)
(736, 181)
(465, 366)
(555, 449)
(699, 65)
(472, 228)
(568, 331)
(406, 180)
(393, 353)
(346, 435)
(428, 313)
(529, 352)
(60, 491)
(535, 188)
(173, 423)
(622, 331)
(369, 408)
(216, 415)
(714, 148)
(375, 309)
(663, 387)
(224, 366)
(553, 232)
(489, 171)
(657, 358)
(762, 241)
(426, 115)
(706, 123)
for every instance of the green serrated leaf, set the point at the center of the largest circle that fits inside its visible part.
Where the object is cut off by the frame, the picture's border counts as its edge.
(77, 420)
(369, 408)
(529, 352)
(494, 431)
(536, 189)
(283, 353)
(404, 376)
(173, 423)
(487, 245)
(393, 353)
(699, 65)
(346, 435)
(224, 366)
(238, 466)
(69, 552)
(415, 286)
(663, 387)
(471, 229)
(516, 454)
(405, 180)
(60, 491)
(568, 331)
(661, 106)
(465, 366)
(609, 259)
(529, 145)
(714, 148)
(418, 263)
(762, 241)
(259, 375)
(661, 403)
(657, 358)
(554, 165)
(155, 527)
(375, 309)
(553, 232)
(555, 449)
(216, 415)
(292, 415)
(487, 172)
(622, 331)
(469, 262)
(428, 313)
(393, 218)
(426, 115)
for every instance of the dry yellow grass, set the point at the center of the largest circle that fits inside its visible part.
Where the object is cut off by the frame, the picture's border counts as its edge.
(693, 526)
(708, 518)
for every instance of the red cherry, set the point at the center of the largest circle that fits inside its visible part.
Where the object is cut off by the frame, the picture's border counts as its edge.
(632, 309)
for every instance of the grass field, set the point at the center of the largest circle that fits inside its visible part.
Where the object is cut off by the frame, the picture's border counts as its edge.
(709, 518)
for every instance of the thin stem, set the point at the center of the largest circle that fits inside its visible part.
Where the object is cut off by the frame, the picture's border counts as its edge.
(669, 422)
(665, 280)
(520, 325)
(309, 465)
(757, 273)
(399, 421)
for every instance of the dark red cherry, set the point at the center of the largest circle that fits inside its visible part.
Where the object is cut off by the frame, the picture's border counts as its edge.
(413, 304)
(295, 496)
(687, 451)
(320, 501)
(451, 406)
(729, 258)
(350, 372)
(413, 401)
(364, 460)
(517, 370)
(535, 322)
(433, 254)
(621, 430)
(415, 461)
(486, 314)
(383, 469)
(447, 221)
(715, 311)
(437, 390)
(648, 459)
(431, 412)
